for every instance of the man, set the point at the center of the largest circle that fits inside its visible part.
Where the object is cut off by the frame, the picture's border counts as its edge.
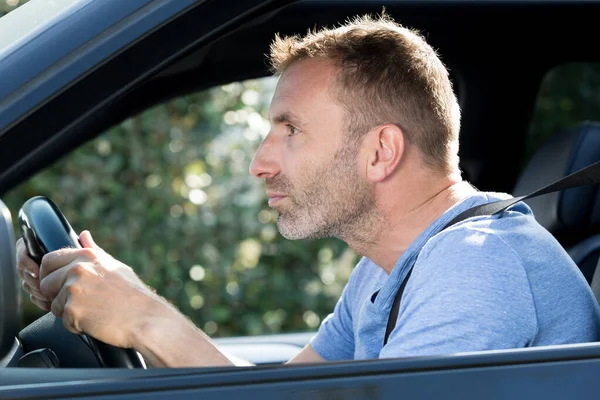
(363, 147)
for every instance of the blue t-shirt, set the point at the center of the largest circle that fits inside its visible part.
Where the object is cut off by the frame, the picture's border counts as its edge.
(485, 283)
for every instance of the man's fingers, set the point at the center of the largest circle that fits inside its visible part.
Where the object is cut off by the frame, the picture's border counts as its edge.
(56, 260)
(26, 263)
(62, 307)
(58, 306)
(35, 292)
(86, 240)
(51, 284)
(30, 280)
(44, 305)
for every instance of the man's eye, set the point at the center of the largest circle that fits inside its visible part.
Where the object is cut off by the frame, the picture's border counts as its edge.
(292, 130)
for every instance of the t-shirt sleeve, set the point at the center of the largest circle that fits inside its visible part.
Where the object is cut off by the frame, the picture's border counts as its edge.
(468, 292)
(335, 339)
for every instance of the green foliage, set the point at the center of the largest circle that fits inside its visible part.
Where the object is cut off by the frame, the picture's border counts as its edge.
(168, 192)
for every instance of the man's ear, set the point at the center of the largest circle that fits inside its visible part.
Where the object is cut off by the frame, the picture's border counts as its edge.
(385, 147)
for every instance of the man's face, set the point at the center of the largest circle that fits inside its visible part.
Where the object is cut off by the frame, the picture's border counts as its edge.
(310, 167)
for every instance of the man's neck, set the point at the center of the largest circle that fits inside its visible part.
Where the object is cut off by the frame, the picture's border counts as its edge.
(403, 220)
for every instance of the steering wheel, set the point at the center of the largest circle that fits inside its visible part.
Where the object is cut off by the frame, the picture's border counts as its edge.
(45, 229)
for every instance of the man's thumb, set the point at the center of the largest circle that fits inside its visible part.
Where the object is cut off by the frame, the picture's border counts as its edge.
(86, 240)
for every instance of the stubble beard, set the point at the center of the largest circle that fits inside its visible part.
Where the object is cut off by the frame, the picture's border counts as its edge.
(331, 201)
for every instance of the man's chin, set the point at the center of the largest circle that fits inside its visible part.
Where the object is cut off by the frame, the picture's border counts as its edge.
(289, 233)
(292, 230)
(288, 228)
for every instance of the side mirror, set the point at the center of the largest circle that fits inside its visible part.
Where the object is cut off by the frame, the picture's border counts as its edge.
(10, 310)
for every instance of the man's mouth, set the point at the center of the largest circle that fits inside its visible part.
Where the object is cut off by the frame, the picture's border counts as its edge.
(274, 198)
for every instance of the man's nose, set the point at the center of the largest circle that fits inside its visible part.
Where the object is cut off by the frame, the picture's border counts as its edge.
(265, 163)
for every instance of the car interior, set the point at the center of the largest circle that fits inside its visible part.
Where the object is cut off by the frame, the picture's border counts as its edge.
(497, 58)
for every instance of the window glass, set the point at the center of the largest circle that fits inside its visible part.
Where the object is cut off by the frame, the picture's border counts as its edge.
(169, 193)
(569, 94)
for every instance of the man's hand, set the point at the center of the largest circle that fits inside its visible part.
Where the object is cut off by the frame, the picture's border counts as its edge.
(94, 293)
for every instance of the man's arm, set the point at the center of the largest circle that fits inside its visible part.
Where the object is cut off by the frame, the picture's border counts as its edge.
(194, 348)
(94, 293)
(169, 339)
(174, 341)
(306, 355)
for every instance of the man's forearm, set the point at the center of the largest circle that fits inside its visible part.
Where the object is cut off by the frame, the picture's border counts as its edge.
(166, 338)
(169, 339)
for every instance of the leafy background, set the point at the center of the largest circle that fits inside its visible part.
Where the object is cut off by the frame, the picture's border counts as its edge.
(168, 192)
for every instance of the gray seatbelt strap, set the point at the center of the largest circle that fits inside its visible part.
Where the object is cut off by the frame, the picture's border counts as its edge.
(586, 176)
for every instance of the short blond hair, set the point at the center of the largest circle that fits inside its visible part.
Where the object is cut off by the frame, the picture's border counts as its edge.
(388, 74)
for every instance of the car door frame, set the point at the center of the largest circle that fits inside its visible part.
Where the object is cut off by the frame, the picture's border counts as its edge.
(552, 372)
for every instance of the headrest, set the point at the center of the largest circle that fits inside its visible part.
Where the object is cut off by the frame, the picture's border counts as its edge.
(573, 214)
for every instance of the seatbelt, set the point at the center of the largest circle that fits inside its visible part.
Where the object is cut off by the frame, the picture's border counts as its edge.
(585, 176)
